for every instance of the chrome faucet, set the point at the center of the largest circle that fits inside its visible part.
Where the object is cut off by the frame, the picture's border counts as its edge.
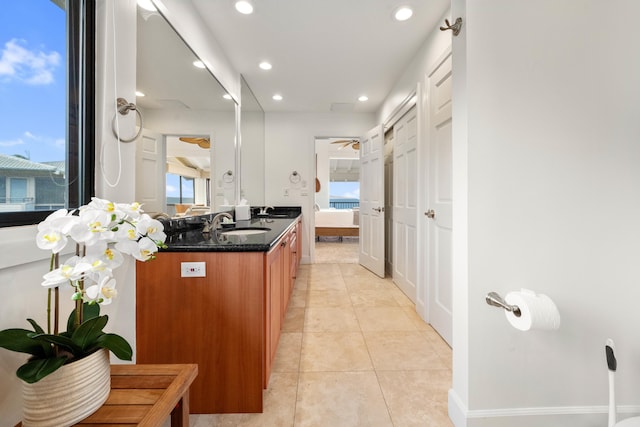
(214, 224)
(264, 209)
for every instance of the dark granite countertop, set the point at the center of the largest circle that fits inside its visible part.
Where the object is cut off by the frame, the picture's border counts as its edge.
(194, 240)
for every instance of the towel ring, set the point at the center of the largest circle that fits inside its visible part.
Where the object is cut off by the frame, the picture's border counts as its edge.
(227, 176)
(123, 108)
(294, 178)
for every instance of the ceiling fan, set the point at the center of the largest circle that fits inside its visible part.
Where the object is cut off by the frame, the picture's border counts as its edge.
(201, 142)
(354, 143)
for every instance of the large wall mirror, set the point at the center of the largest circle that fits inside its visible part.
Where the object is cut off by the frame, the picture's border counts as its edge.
(186, 155)
(252, 147)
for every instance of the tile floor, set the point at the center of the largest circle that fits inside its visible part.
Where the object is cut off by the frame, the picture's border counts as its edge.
(334, 250)
(353, 352)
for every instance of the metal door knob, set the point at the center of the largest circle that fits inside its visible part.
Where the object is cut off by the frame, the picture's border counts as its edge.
(381, 209)
(430, 213)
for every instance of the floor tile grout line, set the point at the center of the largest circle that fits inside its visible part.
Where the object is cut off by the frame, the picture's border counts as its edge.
(375, 371)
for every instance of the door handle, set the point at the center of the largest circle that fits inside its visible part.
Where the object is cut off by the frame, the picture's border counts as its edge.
(379, 209)
(430, 213)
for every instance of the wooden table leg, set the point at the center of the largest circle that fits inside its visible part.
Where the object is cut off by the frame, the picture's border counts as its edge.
(180, 414)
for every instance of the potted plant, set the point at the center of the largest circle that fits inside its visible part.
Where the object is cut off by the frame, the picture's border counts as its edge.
(104, 233)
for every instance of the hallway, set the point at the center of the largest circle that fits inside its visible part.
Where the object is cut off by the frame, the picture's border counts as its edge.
(353, 352)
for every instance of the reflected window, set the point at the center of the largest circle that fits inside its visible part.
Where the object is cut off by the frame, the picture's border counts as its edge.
(180, 189)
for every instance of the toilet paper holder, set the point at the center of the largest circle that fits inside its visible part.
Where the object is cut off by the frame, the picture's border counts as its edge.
(494, 299)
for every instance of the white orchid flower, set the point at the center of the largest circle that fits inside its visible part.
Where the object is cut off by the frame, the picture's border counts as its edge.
(133, 210)
(51, 221)
(106, 254)
(74, 269)
(53, 231)
(101, 205)
(104, 291)
(141, 250)
(93, 226)
(151, 228)
(52, 240)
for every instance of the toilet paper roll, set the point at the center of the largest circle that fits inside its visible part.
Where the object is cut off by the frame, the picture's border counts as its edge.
(537, 311)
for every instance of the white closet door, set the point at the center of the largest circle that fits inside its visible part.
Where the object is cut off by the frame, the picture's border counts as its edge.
(405, 196)
(372, 201)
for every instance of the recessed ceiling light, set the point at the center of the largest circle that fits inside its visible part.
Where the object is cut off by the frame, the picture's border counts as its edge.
(363, 98)
(147, 5)
(277, 97)
(138, 93)
(245, 7)
(403, 13)
(198, 64)
(226, 96)
(265, 65)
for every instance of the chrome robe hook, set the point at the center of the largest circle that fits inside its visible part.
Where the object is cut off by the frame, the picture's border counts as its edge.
(455, 27)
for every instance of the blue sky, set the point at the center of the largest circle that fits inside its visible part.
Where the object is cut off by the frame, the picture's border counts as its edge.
(32, 80)
(350, 190)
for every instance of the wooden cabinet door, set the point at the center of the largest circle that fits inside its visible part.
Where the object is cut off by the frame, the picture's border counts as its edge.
(215, 321)
(273, 306)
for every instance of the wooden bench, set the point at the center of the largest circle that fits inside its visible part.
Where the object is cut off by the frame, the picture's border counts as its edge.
(146, 395)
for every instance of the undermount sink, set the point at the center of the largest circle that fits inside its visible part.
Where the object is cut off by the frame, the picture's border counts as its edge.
(245, 231)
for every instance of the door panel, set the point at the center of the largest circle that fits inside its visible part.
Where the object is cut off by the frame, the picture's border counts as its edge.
(150, 167)
(439, 199)
(405, 195)
(372, 201)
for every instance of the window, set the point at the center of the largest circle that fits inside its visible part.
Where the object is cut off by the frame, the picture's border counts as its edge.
(47, 107)
(344, 194)
(180, 189)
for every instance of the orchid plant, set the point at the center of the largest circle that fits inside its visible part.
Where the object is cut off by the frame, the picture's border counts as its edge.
(104, 232)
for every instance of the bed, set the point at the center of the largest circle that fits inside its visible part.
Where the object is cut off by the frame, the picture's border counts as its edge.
(337, 222)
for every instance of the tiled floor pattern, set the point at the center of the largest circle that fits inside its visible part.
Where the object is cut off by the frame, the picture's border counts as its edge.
(333, 250)
(353, 352)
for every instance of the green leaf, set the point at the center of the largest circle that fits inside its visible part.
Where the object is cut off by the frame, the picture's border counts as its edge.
(36, 327)
(35, 370)
(118, 346)
(60, 341)
(20, 340)
(87, 333)
(88, 312)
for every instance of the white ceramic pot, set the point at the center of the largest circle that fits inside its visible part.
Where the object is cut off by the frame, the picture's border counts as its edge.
(68, 395)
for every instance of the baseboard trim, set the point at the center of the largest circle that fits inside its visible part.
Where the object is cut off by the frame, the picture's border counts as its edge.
(460, 414)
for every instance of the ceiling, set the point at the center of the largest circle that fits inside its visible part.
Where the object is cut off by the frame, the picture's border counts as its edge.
(325, 53)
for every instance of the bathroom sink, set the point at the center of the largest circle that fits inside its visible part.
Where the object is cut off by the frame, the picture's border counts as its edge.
(245, 231)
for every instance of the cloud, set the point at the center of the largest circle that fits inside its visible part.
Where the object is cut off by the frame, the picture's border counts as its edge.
(11, 143)
(352, 194)
(172, 189)
(29, 66)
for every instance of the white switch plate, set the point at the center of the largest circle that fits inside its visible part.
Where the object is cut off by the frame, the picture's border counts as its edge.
(193, 269)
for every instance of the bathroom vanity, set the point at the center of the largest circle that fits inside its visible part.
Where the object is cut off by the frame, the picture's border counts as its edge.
(227, 314)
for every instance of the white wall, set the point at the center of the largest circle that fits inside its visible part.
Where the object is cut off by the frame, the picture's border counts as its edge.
(552, 191)
(424, 58)
(290, 146)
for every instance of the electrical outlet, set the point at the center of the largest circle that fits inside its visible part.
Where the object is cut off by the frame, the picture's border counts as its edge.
(193, 269)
